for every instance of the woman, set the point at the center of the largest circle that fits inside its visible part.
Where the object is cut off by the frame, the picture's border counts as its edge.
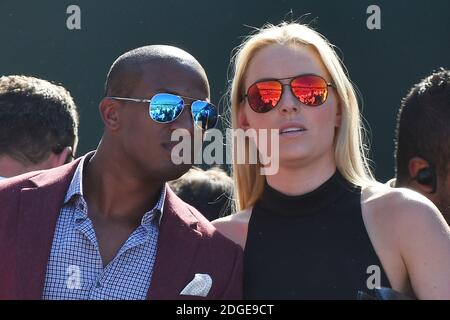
(321, 227)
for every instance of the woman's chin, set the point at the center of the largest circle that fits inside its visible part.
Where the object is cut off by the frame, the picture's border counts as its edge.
(293, 157)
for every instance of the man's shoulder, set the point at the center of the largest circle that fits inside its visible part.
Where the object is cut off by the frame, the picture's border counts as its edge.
(206, 228)
(33, 178)
(207, 232)
(12, 185)
(12, 188)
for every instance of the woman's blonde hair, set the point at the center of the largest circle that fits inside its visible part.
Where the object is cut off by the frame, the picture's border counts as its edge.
(350, 156)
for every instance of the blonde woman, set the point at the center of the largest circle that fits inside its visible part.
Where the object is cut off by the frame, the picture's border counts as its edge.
(321, 227)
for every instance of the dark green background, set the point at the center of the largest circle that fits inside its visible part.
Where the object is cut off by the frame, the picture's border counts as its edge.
(413, 41)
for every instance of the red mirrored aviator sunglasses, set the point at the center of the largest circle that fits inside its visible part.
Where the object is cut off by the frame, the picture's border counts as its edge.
(309, 89)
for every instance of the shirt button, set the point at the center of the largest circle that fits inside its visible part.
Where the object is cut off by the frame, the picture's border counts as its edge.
(98, 285)
(81, 207)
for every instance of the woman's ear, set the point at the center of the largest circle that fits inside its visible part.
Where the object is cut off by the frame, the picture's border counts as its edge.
(109, 112)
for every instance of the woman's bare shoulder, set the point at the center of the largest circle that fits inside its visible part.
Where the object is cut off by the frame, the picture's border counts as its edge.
(394, 208)
(235, 226)
(403, 225)
(397, 202)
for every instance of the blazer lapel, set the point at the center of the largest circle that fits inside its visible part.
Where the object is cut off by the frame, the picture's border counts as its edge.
(177, 244)
(39, 210)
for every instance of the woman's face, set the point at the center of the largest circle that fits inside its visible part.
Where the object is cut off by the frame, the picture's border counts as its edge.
(313, 143)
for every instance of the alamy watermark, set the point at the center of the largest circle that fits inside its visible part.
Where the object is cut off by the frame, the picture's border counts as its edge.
(374, 20)
(73, 281)
(73, 21)
(250, 146)
(374, 279)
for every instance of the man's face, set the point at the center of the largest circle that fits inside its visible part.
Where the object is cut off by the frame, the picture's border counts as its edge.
(148, 144)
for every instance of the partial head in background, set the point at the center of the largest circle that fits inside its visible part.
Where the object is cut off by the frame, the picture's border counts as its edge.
(38, 125)
(210, 191)
(333, 126)
(137, 136)
(423, 140)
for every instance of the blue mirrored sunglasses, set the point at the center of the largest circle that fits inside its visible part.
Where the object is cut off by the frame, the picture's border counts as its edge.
(167, 107)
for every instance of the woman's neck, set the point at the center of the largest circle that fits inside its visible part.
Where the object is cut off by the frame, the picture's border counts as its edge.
(300, 180)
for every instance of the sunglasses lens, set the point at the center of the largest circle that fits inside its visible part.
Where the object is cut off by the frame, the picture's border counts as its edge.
(205, 114)
(310, 90)
(264, 96)
(165, 107)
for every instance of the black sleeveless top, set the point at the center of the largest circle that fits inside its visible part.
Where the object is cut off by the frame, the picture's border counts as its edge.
(313, 246)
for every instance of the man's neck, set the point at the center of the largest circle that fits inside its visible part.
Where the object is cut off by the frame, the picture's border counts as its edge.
(10, 167)
(111, 193)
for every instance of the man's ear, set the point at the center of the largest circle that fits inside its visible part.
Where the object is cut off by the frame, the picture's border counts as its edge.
(109, 112)
(242, 117)
(416, 164)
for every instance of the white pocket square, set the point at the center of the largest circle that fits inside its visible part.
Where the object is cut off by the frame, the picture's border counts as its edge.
(199, 286)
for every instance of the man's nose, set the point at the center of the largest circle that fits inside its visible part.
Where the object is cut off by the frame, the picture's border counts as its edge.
(184, 121)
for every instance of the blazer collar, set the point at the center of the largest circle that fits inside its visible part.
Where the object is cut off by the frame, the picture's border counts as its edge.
(177, 245)
(39, 210)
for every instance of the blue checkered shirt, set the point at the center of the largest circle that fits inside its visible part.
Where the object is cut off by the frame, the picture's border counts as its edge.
(75, 269)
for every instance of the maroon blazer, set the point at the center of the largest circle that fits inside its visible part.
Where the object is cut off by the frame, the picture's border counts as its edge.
(188, 244)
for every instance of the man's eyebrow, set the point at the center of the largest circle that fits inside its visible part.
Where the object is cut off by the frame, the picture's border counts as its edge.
(164, 90)
(151, 93)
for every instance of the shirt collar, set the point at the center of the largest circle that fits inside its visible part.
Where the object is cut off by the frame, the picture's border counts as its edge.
(76, 190)
(76, 185)
(157, 211)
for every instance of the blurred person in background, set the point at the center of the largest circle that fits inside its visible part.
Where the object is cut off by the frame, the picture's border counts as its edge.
(422, 149)
(209, 191)
(38, 125)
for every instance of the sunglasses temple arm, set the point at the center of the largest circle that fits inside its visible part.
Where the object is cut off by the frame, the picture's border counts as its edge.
(129, 99)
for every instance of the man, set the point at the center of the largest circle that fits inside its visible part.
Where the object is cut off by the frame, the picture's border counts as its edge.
(106, 226)
(423, 140)
(38, 125)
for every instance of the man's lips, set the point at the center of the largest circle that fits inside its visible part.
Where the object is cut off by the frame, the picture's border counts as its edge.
(170, 144)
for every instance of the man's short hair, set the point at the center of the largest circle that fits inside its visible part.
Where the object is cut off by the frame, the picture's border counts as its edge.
(36, 117)
(119, 83)
(210, 191)
(423, 125)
